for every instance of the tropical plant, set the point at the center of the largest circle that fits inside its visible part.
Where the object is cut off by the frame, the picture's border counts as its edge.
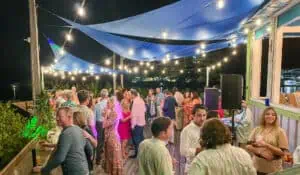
(11, 127)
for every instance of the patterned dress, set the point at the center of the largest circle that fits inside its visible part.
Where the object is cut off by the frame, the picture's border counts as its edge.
(187, 111)
(112, 145)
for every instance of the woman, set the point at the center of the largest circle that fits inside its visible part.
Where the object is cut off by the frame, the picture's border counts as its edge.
(124, 127)
(218, 156)
(112, 145)
(195, 98)
(80, 120)
(268, 143)
(187, 109)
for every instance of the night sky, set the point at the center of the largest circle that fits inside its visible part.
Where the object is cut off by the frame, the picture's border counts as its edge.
(15, 55)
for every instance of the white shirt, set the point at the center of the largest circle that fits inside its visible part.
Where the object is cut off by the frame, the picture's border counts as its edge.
(189, 141)
(296, 156)
(225, 160)
(179, 98)
(245, 125)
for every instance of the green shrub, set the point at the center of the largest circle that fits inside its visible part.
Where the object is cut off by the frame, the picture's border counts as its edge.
(11, 127)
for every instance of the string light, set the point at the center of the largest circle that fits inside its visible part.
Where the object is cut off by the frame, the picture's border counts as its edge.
(234, 45)
(80, 71)
(147, 64)
(203, 45)
(69, 37)
(72, 78)
(81, 11)
(246, 31)
(198, 51)
(135, 70)
(146, 72)
(61, 51)
(70, 73)
(129, 71)
(83, 78)
(55, 74)
(164, 61)
(97, 77)
(63, 77)
(55, 60)
(234, 52)
(220, 4)
(203, 54)
(176, 62)
(163, 72)
(258, 22)
(164, 35)
(213, 67)
(107, 62)
(181, 71)
(120, 67)
(199, 70)
(114, 74)
(152, 67)
(269, 29)
(225, 59)
(219, 64)
(131, 52)
(141, 63)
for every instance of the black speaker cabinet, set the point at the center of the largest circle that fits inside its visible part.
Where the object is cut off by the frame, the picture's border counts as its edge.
(211, 98)
(232, 91)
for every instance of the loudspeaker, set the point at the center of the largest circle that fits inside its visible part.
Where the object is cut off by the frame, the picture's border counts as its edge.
(232, 91)
(211, 98)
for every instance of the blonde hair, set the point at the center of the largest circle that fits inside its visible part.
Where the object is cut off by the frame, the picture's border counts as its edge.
(67, 110)
(263, 121)
(79, 119)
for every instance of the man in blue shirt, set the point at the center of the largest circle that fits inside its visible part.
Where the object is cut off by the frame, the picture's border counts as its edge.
(99, 109)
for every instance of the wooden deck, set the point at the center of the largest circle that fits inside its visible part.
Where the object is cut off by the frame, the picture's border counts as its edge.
(131, 166)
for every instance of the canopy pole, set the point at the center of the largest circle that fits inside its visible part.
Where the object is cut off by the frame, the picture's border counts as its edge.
(122, 75)
(34, 52)
(207, 76)
(114, 73)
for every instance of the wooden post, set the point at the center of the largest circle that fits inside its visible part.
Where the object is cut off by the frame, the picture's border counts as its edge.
(249, 65)
(272, 41)
(207, 76)
(122, 75)
(34, 51)
(114, 74)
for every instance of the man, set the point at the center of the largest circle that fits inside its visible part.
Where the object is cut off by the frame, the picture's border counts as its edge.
(68, 97)
(219, 157)
(244, 125)
(84, 100)
(70, 150)
(169, 105)
(159, 100)
(99, 110)
(154, 158)
(190, 135)
(138, 122)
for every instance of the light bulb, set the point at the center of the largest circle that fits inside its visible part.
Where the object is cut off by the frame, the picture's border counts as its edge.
(81, 11)
(69, 37)
(220, 4)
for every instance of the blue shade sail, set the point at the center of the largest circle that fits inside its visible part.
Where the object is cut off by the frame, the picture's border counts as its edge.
(142, 50)
(70, 63)
(193, 20)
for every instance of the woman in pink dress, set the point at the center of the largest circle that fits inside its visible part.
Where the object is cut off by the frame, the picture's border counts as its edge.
(124, 128)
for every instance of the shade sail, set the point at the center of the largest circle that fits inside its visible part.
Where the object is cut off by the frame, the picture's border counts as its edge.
(70, 63)
(186, 20)
(142, 50)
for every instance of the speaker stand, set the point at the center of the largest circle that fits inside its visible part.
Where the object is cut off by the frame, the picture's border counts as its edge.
(233, 126)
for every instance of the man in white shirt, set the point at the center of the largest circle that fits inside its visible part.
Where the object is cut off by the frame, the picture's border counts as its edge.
(190, 135)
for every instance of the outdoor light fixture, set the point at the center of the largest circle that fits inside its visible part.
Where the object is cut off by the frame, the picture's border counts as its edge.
(213, 67)
(176, 62)
(83, 78)
(198, 51)
(220, 4)
(120, 67)
(131, 52)
(234, 45)
(163, 72)
(246, 31)
(125, 67)
(204, 55)
(147, 64)
(97, 77)
(135, 70)
(219, 64)
(181, 71)
(225, 59)
(234, 52)
(70, 73)
(258, 22)
(107, 62)
(129, 71)
(164, 61)
(72, 78)
(141, 63)
(69, 37)
(152, 67)
(145, 72)
(81, 11)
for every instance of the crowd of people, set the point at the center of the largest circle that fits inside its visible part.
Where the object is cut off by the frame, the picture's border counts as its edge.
(97, 130)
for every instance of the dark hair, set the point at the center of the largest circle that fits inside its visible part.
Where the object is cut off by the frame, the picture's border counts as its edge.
(214, 133)
(119, 96)
(83, 95)
(212, 114)
(197, 107)
(195, 95)
(160, 124)
(167, 92)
